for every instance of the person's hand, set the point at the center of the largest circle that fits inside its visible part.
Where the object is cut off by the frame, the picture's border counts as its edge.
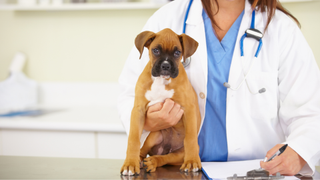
(163, 115)
(288, 163)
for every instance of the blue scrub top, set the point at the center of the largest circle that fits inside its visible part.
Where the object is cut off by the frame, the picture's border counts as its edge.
(212, 138)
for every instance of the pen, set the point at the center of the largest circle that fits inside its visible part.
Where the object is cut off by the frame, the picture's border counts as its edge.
(280, 151)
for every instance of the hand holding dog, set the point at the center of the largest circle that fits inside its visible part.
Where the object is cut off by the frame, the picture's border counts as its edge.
(163, 115)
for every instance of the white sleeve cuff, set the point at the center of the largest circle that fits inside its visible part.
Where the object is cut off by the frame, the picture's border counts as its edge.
(143, 138)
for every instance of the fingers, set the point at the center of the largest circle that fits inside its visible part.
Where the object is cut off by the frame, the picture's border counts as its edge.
(167, 106)
(163, 115)
(179, 114)
(176, 112)
(272, 151)
(287, 163)
(156, 107)
(172, 111)
(272, 166)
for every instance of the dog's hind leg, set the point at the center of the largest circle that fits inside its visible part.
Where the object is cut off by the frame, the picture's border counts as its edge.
(153, 139)
(173, 158)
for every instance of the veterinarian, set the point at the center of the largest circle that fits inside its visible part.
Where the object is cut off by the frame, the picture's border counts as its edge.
(255, 93)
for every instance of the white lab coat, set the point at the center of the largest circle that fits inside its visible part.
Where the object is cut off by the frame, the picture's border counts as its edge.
(289, 110)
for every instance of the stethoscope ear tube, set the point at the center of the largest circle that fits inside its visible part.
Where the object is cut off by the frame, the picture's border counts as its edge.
(185, 18)
(186, 61)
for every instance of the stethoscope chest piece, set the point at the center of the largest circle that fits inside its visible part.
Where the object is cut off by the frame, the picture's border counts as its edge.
(186, 62)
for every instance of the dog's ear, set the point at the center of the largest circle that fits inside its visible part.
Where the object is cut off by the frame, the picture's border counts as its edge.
(189, 45)
(144, 39)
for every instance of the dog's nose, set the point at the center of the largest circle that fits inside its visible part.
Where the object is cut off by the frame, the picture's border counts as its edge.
(165, 65)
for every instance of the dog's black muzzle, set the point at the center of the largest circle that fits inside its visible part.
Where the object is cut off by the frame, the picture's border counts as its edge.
(165, 68)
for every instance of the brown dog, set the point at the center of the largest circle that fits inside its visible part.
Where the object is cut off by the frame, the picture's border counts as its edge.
(164, 77)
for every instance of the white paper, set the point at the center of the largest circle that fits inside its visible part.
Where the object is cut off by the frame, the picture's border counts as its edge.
(222, 170)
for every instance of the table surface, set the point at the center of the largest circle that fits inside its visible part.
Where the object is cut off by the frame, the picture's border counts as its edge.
(15, 167)
(82, 118)
(19, 167)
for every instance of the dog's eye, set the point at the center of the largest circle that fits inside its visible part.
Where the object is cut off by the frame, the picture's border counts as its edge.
(177, 54)
(156, 51)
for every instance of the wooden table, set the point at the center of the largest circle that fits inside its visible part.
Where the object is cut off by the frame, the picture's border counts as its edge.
(15, 167)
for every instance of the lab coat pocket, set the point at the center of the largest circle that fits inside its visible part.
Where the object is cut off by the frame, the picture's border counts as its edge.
(263, 106)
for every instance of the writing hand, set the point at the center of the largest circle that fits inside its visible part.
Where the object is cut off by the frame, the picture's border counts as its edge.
(288, 163)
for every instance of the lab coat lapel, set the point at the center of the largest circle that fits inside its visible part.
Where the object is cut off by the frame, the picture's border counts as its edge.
(235, 76)
(195, 29)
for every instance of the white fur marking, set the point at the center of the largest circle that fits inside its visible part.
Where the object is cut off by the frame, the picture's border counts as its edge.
(125, 172)
(130, 173)
(195, 169)
(158, 92)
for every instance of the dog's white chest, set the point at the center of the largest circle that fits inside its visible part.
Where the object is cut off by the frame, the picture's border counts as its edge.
(158, 92)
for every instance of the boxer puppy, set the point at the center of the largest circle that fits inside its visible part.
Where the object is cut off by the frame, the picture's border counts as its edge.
(164, 77)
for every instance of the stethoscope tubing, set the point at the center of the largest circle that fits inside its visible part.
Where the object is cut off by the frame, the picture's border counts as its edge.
(186, 62)
(253, 33)
(186, 17)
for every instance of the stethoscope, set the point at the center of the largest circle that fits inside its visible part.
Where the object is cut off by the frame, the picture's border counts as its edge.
(250, 33)
(186, 62)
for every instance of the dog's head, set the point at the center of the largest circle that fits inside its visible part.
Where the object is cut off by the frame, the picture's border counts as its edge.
(166, 49)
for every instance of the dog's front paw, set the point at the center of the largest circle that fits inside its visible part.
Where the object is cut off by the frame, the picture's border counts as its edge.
(150, 164)
(193, 164)
(130, 167)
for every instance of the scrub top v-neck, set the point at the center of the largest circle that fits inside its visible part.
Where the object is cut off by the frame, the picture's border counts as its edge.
(212, 138)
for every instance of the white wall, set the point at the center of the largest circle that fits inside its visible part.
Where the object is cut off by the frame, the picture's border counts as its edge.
(70, 45)
(308, 13)
(93, 45)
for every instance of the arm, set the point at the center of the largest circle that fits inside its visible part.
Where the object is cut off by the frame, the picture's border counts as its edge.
(299, 112)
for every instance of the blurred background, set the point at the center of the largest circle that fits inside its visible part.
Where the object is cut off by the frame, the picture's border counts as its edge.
(66, 57)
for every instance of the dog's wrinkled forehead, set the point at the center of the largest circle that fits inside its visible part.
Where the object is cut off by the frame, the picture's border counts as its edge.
(167, 40)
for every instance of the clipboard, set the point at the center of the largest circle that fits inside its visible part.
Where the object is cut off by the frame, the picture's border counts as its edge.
(223, 170)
